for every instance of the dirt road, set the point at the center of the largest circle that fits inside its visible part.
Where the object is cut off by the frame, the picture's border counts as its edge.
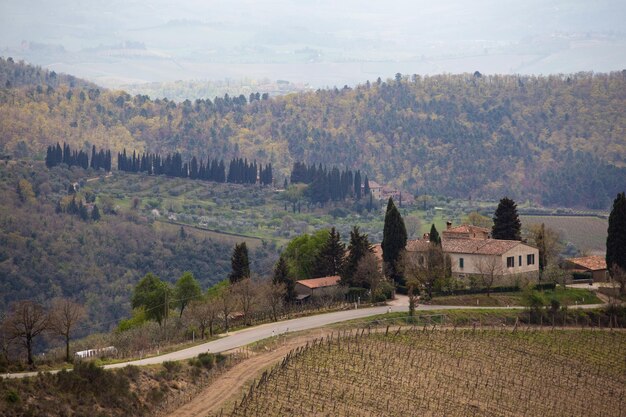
(231, 385)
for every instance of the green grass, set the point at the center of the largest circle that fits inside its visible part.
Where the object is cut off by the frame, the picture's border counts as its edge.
(567, 296)
(586, 233)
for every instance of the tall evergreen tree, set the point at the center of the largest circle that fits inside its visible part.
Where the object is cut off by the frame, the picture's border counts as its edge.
(366, 186)
(434, 235)
(394, 242)
(281, 276)
(329, 261)
(240, 263)
(359, 246)
(616, 238)
(95, 213)
(506, 223)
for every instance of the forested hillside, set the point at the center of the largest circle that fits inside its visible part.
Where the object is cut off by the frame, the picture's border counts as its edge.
(47, 252)
(557, 140)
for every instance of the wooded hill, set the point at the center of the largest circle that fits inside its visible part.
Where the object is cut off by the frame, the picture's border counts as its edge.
(47, 252)
(557, 140)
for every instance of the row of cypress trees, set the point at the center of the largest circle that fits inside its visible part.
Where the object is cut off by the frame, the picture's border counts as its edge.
(56, 155)
(240, 171)
(329, 184)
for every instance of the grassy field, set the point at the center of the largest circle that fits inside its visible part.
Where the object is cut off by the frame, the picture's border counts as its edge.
(447, 372)
(567, 296)
(586, 233)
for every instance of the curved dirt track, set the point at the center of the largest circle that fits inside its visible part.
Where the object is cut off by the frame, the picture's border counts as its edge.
(229, 386)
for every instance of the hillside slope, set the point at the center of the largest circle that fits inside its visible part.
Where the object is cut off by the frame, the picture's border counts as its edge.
(556, 140)
(45, 254)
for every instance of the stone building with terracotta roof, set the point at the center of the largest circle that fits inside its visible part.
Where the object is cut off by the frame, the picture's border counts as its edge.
(593, 266)
(511, 261)
(316, 286)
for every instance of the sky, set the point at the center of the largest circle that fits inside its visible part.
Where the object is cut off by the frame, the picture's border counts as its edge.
(319, 42)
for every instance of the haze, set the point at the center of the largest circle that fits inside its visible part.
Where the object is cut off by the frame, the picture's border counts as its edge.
(320, 43)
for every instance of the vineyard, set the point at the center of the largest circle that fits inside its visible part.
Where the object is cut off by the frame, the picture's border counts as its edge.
(453, 372)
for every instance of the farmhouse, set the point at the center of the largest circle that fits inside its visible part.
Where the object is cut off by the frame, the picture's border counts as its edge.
(466, 231)
(593, 267)
(510, 261)
(316, 286)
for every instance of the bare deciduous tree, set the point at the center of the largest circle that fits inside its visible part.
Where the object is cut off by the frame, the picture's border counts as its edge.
(368, 273)
(64, 316)
(490, 269)
(204, 313)
(273, 295)
(244, 292)
(26, 320)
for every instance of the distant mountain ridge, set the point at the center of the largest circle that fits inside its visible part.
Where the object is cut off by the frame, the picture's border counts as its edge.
(556, 140)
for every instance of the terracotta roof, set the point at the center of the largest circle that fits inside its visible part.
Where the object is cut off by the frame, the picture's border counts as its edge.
(467, 228)
(475, 246)
(320, 282)
(592, 263)
(374, 184)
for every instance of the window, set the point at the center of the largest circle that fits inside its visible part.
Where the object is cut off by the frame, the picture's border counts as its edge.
(510, 262)
(519, 261)
(461, 263)
(530, 259)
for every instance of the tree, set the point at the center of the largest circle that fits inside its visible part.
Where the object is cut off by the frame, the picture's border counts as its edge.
(413, 226)
(425, 268)
(434, 235)
(223, 294)
(490, 269)
(506, 223)
(240, 263)
(95, 213)
(186, 290)
(281, 277)
(394, 242)
(26, 320)
(329, 261)
(25, 191)
(359, 246)
(273, 294)
(244, 292)
(476, 219)
(204, 312)
(302, 251)
(368, 273)
(64, 316)
(154, 296)
(616, 238)
(547, 240)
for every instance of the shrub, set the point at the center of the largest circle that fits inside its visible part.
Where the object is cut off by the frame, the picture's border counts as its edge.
(172, 367)
(12, 397)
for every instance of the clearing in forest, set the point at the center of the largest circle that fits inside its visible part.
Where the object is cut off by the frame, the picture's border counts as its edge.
(447, 372)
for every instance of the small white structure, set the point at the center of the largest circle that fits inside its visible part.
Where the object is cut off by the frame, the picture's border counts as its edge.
(96, 353)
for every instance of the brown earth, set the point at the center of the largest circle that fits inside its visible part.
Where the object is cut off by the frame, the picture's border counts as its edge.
(230, 386)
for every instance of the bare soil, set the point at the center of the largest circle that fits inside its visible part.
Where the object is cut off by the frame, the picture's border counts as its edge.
(232, 384)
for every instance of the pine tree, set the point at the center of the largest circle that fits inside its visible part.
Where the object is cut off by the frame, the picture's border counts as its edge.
(434, 235)
(394, 242)
(616, 239)
(281, 276)
(506, 223)
(95, 213)
(329, 261)
(240, 263)
(359, 246)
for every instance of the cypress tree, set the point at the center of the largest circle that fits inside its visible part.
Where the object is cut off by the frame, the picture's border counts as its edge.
(82, 211)
(506, 223)
(95, 213)
(240, 263)
(281, 276)
(394, 242)
(434, 235)
(357, 185)
(358, 248)
(366, 186)
(329, 261)
(616, 238)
